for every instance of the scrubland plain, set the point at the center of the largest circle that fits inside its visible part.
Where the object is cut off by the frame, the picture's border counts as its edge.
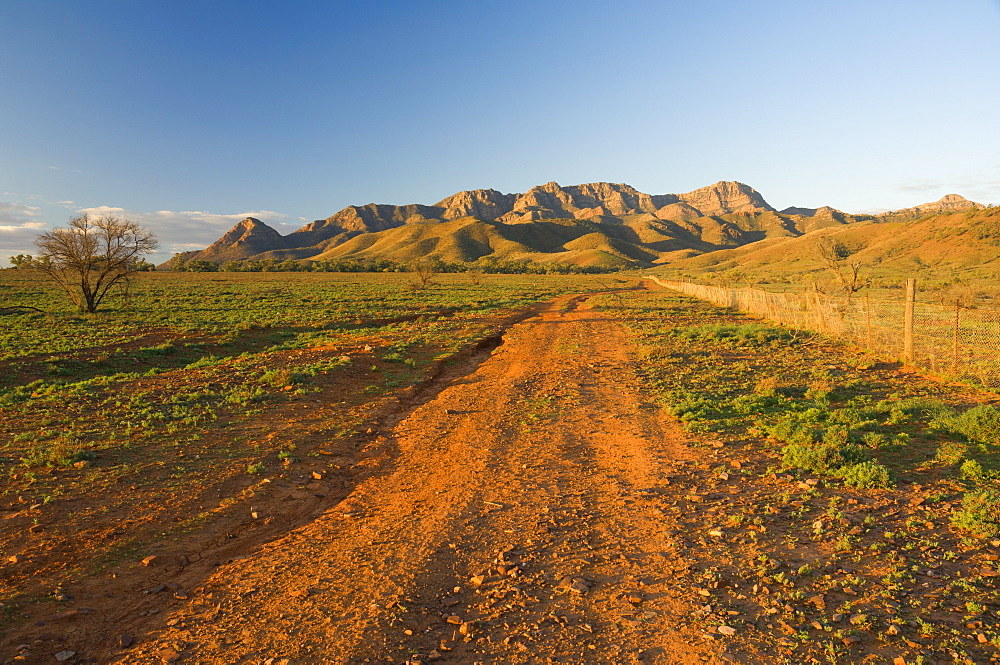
(318, 467)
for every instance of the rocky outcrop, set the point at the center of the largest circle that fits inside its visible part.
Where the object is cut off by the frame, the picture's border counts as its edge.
(724, 198)
(947, 203)
(822, 211)
(247, 238)
(486, 204)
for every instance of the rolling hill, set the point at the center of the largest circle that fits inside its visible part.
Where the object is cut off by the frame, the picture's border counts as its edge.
(936, 248)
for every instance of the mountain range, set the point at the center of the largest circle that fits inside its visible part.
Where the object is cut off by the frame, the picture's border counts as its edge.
(598, 223)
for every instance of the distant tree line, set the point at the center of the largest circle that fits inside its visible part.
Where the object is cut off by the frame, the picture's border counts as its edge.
(28, 262)
(506, 267)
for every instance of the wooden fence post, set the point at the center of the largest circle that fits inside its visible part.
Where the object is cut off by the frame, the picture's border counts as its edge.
(911, 299)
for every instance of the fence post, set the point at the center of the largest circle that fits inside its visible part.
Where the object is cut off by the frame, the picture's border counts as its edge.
(911, 298)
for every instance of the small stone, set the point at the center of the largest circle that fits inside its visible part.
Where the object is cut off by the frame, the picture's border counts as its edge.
(36, 528)
(318, 475)
(477, 579)
(81, 464)
(579, 587)
(716, 533)
(634, 598)
(15, 558)
(149, 560)
(850, 640)
(893, 629)
(723, 476)
(126, 641)
(466, 628)
(63, 656)
(813, 482)
(981, 638)
(898, 660)
(819, 601)
(451, 412)
(63, 615)
(728, 631)
(180, 595)
(858, 619)
(454, 619)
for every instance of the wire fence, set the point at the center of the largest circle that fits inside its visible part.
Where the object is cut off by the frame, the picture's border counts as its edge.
(953, 340)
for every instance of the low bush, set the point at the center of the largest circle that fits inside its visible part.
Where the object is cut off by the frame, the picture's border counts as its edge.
(980, 513)
(980, 424)
(866, 475)
(974, 471)
(820, 458)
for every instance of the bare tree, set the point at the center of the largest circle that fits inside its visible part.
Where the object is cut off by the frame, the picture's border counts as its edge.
(92, 256)
(424, 270)
(837, 256)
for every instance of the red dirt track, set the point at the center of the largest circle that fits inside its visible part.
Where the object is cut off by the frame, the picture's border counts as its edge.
(505, 522)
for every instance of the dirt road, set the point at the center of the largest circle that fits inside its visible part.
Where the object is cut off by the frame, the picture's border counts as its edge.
(509, 524)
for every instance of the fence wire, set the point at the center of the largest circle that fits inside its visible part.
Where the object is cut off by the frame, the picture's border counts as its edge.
(951, 340)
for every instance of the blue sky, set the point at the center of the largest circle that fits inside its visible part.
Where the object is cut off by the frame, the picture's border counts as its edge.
(187, 116)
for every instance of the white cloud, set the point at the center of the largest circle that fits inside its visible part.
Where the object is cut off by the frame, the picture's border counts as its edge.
(29, 226)
(100, 210)
(186, 230)
(919, 187)
(19, 225)
(178, 231)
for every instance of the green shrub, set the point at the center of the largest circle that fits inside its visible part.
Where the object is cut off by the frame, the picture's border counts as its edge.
(837, 435)
(951, 452)
(980, 513)
(866, 475)
(279, 378)
(56, 454)
(974, 471)
(793, 429)
(820, 458)
(980, 424)
(873, 440)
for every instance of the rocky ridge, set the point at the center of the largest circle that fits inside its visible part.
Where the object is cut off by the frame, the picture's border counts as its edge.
(947, 203)
(549, 222)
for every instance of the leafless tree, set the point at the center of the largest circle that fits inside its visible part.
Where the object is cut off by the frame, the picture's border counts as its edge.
(93, 256)
(844, 264)
(424, 269)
